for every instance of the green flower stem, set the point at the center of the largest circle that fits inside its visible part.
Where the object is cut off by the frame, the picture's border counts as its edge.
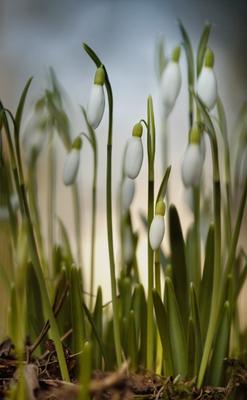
(157, 271)
(196, 274)
(228, 183)
(94, 205)
(116, 327)
(51, 202)
(77, 221)
(151, 154)
(19, 180)
(215, 304)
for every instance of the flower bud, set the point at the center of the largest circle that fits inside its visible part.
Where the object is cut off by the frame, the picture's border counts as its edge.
(171, 81)
(134, 153)
(128, 192)
(207, 83)
(72, 162)
(96, 103)
(157, 228)
(192, 165)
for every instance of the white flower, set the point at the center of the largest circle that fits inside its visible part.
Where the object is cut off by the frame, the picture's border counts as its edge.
(128, 192)
(171, 81)
(207, 83)
(96, 103)
(72, 162)
(133, 157)
(203, 146)
(157, 231)
(157, 227)
(207, 87)
(192, 165)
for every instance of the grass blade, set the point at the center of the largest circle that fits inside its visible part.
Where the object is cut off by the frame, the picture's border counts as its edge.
(179, 271)
(202, 47)
(163, 327)
(176, 331)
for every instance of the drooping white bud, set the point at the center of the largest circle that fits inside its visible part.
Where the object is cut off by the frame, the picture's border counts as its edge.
(192, 165)
(157, 227)
(72, 162)
(207, 83)
(134, 153)
(96, 103)
(171, 81)
(127, 193)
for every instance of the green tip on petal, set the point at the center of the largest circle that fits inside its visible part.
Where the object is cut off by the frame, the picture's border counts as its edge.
(77, 143)
(160, 208)
(176, 54)
(99, 78)
(195, 133)
(209, 58)
(137, 130)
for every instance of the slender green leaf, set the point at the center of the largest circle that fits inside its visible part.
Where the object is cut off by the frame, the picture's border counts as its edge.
(97, 332)
(85, 370)
(139, 305)
(163, 327)
(132, 342)
(163, 186)
(189, 54)
(98, 321)
(176, 331)
(19, 111)
(4, 279)
(125, 290)
(77, 314)
(179, 270)
(195, 314)
(220, 349)
(202, 47)
(206, 287)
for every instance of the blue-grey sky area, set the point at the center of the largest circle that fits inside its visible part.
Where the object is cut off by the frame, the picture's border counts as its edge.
(36, 34)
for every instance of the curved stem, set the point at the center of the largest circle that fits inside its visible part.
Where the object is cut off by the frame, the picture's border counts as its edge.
(94, 204)
(116, 327)
(151, 155)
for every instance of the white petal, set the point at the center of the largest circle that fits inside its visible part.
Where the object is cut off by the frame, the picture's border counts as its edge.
(207, 87)
(192, 165)
(71, 166)
(170, 84)
(128, 192)
(157, 231)
(133, 157)
(96, 105)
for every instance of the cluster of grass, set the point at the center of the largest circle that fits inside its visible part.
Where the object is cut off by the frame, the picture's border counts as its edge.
(188, 321)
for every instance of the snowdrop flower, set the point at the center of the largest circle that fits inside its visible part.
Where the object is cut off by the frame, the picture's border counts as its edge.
(171, 81)
(134, 153)
(157, 228)
(128, 192)
(72, 162)
(193, 159)
(207, 84)
(96, 103)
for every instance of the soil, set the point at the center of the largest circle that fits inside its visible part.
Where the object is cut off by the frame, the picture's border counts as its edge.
(44, 382)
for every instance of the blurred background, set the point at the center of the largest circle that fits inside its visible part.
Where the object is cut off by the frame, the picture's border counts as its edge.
(37, 34)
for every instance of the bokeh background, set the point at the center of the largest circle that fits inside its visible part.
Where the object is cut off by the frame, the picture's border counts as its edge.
(36, 34)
